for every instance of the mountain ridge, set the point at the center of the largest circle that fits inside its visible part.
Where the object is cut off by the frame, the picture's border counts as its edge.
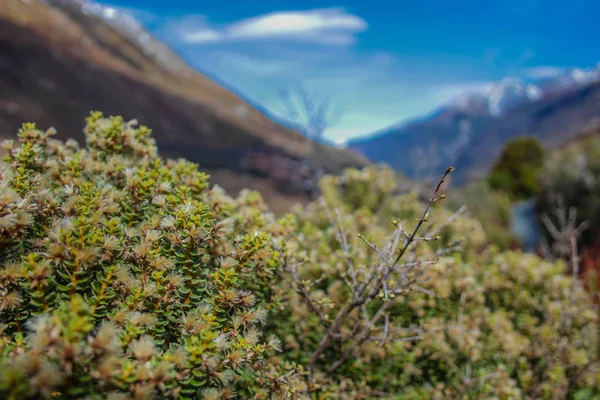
(59, 63)
(471, 130)
(172, 59)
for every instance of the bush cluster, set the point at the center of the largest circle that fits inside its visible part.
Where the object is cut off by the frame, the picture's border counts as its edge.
(123, 273)
(572, 175)
(123, 276)
(516, 170)
(476, 323)
(492, 208)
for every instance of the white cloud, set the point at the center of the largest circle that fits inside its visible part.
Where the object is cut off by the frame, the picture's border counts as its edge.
(543, 72)
(202, 36)
(298, 22)
(332, 26)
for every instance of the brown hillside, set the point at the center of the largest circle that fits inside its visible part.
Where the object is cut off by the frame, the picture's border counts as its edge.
(58, 63)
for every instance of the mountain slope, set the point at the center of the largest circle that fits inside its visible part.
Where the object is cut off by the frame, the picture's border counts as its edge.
(555, 120)
(471, 132)
(59, 59)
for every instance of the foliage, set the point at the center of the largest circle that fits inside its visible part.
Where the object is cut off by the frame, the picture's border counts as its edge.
(472, 324)
(491, 208)
(126, 276)
(572, 176)
(123, 273)
(516, 170)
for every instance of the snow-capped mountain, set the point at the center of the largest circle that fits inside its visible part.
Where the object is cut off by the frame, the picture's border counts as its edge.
(497, 98)
(470, 131)
(571, 77)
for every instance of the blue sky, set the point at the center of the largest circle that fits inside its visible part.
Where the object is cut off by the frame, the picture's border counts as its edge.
(380, 62)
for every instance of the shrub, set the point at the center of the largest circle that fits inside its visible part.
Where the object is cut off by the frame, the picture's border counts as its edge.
(491, 208)
(572, 176)
(127, 276)
(470, 324)
(123, 273)
(569, 203)
(515, 172)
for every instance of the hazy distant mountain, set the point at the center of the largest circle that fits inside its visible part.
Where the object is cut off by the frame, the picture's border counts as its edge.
(59, 59)
(470, 131)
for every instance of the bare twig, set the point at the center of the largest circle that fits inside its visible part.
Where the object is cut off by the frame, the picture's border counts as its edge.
(386, 332)
(423, 218)
(346, 248)
(310, 115)
(301, 288)
(366, 292)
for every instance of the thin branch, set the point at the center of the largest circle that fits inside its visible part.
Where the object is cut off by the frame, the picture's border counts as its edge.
(304, 293)
(346, 248)
(451, 219)
(364, 334)
(380, 283)
(375, 249)
(386, 331)
(400, 228)
(424, 216)
(575, 277)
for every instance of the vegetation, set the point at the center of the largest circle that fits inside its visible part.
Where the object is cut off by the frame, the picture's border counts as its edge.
(516, 170)
(124, 276)
(121, 272)
(492, 208)
(572, 176)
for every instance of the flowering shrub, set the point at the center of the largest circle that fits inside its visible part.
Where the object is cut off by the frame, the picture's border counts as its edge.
(123, 273)
(126, 276)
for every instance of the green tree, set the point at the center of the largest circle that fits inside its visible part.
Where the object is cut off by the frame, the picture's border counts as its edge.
(516, 170)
